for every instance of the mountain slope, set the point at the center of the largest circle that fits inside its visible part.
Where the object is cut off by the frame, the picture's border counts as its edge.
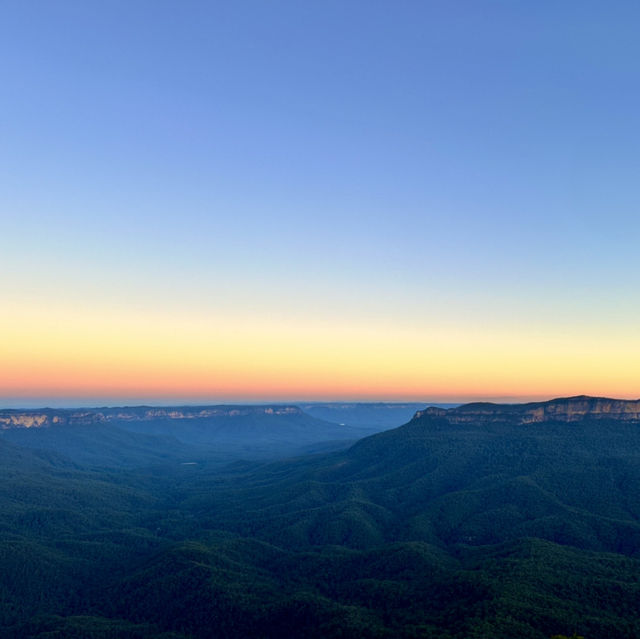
(449, 527)
(449, 480)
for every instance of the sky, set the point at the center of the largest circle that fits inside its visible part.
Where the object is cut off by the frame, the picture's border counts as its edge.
(297, 200)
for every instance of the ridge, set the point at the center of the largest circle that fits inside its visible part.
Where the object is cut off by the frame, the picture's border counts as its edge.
(563, 409)
(46, 417)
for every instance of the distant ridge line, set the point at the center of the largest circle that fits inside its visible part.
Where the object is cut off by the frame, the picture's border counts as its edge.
(45, 417)
(564, 409)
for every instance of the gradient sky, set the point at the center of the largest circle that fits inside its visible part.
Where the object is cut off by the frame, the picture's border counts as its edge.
(250, 200)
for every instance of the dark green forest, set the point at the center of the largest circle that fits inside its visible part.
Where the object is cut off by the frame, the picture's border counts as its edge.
(436, 529)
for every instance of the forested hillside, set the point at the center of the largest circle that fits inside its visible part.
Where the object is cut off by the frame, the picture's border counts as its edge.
(460, 524)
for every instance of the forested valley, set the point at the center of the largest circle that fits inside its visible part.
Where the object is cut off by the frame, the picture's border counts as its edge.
(477, 522)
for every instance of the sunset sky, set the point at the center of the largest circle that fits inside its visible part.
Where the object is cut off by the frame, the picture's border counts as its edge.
(298, 200)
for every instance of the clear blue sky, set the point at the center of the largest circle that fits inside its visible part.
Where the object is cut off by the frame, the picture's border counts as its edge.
(403, 165)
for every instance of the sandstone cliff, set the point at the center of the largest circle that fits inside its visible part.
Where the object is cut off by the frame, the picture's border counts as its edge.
(43, 418)
(570, 409)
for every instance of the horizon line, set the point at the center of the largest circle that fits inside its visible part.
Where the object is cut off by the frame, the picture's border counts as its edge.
(40, 402)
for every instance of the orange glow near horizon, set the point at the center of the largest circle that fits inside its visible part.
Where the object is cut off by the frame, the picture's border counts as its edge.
(100, 354)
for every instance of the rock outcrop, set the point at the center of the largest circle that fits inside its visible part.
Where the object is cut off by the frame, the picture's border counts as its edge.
(43, 418)
(570, 409)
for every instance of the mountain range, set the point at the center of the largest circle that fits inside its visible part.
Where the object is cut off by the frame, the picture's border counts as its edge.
(477, 521)
(183, 433)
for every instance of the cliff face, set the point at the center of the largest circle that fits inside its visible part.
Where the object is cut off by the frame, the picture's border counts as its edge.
(571, 409)
(46, 417)
(49, 417)
(144, 413)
